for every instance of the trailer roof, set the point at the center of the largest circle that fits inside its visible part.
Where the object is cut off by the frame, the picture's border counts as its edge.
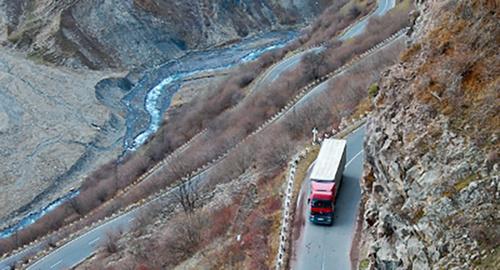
(328, 160)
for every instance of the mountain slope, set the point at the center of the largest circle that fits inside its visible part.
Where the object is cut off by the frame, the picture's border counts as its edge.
(432, 184)
(57, 123)
(101, 34)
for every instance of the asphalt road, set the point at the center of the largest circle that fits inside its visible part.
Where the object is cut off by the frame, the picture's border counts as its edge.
(82, 247)
(327, 247)
(383, 7)
(66, 256)
(85, 245)
(292, 62)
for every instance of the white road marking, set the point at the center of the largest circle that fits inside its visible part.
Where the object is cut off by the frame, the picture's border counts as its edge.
(94, 241)
(352, 159)
(323, 263)
(56, 264)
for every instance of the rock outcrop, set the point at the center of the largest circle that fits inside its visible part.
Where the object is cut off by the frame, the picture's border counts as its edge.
(432, 176)
(102, 34)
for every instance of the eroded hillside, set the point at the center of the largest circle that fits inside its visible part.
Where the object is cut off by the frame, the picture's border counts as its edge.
(432, 184)
(133, 33)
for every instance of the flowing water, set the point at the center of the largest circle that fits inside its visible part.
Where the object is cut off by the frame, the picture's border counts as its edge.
(149, 99)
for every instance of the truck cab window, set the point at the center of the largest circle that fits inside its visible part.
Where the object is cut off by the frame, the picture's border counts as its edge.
(321, 203)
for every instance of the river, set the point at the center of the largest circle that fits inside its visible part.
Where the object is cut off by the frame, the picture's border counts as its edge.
(149, 99)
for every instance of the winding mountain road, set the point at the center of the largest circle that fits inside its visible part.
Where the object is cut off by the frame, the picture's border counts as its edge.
(383, 7)
(293, 61)
(326, 252)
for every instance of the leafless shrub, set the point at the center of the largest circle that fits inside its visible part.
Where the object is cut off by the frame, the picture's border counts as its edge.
(493, 158)
(294, 125)
(203, 112)
(7, 244)
(102, 172)
(241, 159)
(184, 236)
(276, 150)
(141, 219)
(354, 11)
(269, 57)
(110, 244)
(487, 234)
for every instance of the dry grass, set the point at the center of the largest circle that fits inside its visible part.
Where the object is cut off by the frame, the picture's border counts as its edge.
(210, 111)
(460, 70)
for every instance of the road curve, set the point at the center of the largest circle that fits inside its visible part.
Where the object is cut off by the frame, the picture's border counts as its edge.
(383, 7)
(327, 247)
(276, 71)
(292, 62)
(81, 247)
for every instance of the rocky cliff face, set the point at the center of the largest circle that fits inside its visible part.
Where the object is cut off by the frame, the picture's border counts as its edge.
(101, 34)
(432, 183)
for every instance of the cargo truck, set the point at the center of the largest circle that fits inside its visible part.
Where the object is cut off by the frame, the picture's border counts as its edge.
(326, 178)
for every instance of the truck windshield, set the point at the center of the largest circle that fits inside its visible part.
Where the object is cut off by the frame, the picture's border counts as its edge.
(321, 203)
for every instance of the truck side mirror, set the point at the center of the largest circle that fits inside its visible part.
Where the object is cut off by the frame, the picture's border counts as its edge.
(308, 200)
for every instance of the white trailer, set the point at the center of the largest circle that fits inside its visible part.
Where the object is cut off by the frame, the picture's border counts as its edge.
(330, 163)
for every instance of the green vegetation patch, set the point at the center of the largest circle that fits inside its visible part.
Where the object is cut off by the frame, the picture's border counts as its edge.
(364, 264)
(403, 5)
(465, 181)
(373, 90)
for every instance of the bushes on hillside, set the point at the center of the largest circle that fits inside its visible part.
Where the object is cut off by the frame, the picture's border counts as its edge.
(225, 129)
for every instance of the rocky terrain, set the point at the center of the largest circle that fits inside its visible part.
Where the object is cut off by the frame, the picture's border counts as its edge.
(59, 120)
(101, 34)
(431, 189)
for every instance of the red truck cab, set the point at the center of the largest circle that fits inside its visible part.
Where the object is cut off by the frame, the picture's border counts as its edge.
(322, 202)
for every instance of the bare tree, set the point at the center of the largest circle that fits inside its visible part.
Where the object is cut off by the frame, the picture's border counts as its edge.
(312, 114)
(315, 65)
(186, 191)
